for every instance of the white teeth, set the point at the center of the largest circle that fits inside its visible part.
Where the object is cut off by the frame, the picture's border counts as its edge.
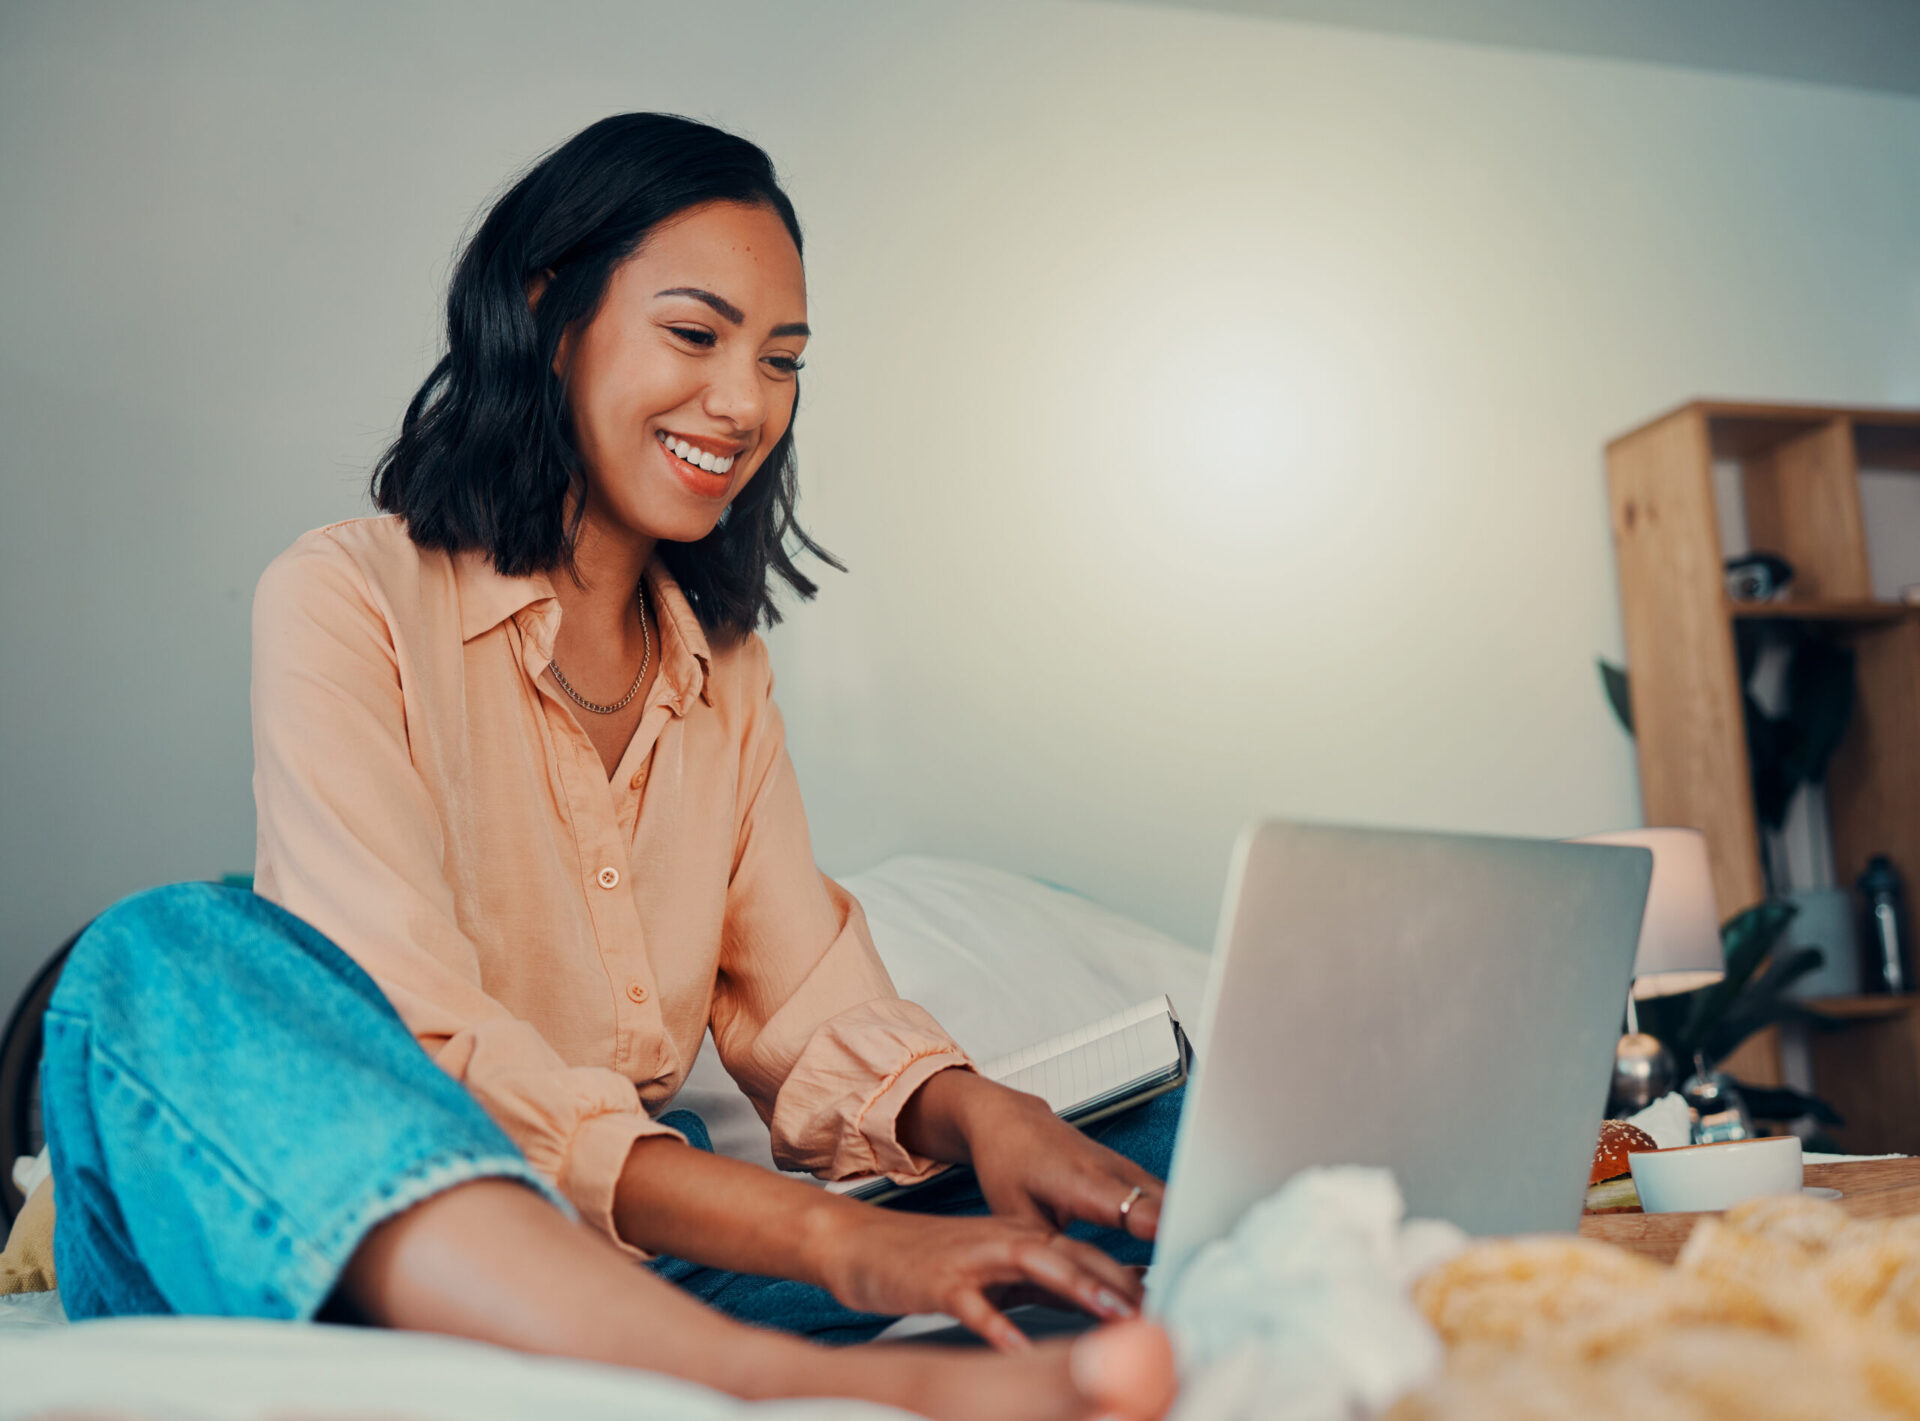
(699, 458)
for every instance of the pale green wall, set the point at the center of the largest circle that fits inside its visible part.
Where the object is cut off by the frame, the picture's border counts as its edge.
(1210, 408)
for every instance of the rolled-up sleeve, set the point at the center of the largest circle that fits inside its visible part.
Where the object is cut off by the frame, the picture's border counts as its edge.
(804, 1014)
(350, 841)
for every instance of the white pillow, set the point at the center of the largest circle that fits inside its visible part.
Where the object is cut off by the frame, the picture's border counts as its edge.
(1000, 960)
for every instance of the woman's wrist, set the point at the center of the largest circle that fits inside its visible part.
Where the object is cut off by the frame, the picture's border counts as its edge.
(948, 1112)
(823, 1238)
(933, 1122)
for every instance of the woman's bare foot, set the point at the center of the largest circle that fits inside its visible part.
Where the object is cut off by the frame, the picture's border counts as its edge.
(422, 1271)
(1124, 1371)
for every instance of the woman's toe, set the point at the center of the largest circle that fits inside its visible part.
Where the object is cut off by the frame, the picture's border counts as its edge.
(1125, 1369)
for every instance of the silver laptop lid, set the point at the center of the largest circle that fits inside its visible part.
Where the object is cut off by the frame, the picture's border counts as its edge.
(1444, 1005)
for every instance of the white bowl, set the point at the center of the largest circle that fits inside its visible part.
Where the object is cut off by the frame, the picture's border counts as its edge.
(1697, 1177)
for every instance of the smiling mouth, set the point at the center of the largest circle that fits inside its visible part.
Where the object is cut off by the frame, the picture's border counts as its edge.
(702, 459)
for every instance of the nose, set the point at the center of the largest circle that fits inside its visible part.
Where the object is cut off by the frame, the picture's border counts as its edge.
(737, 393)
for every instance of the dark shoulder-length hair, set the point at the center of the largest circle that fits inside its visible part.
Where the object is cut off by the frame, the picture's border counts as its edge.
(486, 451)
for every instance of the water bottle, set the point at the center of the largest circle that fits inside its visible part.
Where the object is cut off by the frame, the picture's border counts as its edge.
(1883, 942)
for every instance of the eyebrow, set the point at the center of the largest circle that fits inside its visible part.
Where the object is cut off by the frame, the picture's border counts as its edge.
(730, 311)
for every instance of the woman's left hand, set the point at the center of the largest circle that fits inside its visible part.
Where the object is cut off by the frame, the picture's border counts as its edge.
(1032, 1165)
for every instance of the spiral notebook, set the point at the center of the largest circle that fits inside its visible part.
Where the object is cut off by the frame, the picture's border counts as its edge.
(1098, 1070)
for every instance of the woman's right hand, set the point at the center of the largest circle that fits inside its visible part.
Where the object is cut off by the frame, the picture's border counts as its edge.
(886, 1261)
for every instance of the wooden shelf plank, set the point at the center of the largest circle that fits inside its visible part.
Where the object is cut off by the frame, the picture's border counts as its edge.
(1888, 438)
(1864, 1007)
(1893, 415)
(1822, 609)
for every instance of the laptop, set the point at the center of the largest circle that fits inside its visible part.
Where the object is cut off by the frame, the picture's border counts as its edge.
(1442, 1005)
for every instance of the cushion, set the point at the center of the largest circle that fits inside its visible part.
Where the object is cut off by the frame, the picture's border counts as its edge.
(27, 1264)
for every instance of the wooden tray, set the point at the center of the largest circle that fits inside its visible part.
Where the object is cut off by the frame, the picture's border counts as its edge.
(1869, 1189)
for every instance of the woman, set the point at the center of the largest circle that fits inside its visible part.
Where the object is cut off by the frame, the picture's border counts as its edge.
(482, 832)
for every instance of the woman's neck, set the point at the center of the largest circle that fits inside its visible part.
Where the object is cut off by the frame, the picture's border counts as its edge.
(597, 598)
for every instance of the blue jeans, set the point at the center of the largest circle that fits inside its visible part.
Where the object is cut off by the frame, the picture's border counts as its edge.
(232, 1105)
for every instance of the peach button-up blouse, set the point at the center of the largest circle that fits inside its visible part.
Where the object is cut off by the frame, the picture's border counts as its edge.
(557, 941)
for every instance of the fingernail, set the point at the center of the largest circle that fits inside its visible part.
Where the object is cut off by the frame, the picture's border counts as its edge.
(1113, 1303)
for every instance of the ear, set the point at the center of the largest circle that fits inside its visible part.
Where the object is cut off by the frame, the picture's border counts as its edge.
(537, 287)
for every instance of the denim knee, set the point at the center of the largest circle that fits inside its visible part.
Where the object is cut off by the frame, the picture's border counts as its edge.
(233, 1104)
(174, 962)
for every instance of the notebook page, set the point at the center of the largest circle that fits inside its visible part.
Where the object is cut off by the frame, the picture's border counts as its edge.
(1002, 1066)
(1109, 1063)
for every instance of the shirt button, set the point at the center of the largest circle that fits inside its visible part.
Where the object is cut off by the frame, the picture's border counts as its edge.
(637, 992)
(639, 778)
(609, 877)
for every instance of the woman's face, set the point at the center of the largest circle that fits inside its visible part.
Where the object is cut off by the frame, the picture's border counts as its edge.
(684, 380)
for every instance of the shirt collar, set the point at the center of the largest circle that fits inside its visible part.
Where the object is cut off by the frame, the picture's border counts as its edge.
(488, 597)
(685, 658)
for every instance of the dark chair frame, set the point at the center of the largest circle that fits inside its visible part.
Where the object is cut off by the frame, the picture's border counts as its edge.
(20, 1125)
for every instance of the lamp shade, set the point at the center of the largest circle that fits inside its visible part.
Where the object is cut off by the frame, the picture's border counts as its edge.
(1680, 933)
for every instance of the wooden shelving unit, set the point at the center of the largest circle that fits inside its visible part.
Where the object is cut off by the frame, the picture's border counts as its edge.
(1864, 1008)
(1799, 469)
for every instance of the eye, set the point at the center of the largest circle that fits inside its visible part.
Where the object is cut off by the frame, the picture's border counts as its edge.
(787, 364)
(693, 335)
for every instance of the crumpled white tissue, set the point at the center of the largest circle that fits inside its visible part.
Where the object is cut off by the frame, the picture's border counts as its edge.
(1302, 1313)
(1668, 1120)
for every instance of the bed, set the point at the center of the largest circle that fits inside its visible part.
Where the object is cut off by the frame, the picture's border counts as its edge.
(1002, 961)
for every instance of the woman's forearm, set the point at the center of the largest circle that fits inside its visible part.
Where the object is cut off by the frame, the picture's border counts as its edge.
(676, 1200)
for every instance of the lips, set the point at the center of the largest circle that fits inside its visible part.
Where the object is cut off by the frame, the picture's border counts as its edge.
(705, 472)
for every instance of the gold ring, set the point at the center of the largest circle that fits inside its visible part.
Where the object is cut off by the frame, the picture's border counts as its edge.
(1126, 1205)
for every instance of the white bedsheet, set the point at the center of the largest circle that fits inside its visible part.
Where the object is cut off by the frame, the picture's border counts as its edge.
(170, 1369)
(1302, 1315)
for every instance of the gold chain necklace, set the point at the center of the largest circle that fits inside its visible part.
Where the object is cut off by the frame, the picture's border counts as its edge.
(646, 659)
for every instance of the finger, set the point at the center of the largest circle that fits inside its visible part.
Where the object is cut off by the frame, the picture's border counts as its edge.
(1099, 1198)
(1118, 1279)
(1058, 1266)
(1143, 1219)
(985, 1320)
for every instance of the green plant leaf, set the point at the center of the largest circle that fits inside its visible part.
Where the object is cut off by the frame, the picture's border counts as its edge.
(1666, 1018)
(1745, 939)
(1613, 679)
(1765, 1002)
(1782, 1103)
